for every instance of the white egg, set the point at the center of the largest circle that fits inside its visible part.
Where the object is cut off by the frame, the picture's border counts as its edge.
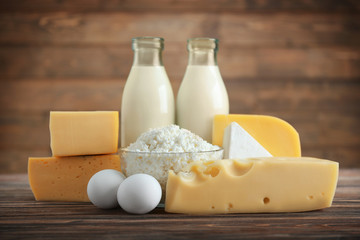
(139, 193)
(102, 188)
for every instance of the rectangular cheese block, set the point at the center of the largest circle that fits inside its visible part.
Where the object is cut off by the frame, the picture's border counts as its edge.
(278, 137)
(66, 178)
(84, 133)
(254, 185)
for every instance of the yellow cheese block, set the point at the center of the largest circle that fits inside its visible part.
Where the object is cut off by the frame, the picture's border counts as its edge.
(84, 133)
(275, 135)
(253, 185)
(66, 178)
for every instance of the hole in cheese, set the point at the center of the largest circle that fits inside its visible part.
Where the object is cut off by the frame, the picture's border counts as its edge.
(208, 163)
(213, 171)
(266, 200)
(239, 167)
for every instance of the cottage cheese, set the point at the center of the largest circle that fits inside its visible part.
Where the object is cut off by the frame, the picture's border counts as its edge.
(168, 148)
(170, 139)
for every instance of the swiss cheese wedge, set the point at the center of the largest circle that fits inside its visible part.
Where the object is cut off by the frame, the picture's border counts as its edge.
(253, 185)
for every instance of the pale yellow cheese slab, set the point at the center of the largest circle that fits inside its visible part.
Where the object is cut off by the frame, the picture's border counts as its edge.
(276, 135)
(84, 132)
(66, 178)
(256, 185)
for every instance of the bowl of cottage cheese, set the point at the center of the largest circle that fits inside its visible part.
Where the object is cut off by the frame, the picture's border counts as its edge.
(159, 150)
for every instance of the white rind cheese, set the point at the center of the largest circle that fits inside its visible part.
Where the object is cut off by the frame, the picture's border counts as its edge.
(238, 143)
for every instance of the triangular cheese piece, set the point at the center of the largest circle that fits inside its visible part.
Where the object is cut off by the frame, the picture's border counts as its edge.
(238, 143)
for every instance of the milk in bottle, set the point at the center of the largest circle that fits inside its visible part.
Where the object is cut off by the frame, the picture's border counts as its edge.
(148, 100)
(202, 93)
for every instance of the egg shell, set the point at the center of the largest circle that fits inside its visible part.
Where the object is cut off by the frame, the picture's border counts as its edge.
(139, 193)
(102, 188)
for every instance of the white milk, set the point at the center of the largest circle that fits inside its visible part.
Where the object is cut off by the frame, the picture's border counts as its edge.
(201, 96)
(147, 102)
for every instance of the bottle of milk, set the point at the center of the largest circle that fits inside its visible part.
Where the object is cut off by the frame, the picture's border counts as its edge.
(202, 93)
(148, 99)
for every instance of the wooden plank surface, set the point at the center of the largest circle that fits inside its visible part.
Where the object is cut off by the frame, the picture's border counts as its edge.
(178, 5)
(298, 60)
(247, 94)
(23, 218)
(235, 63)
(246, 30)
(280, 45)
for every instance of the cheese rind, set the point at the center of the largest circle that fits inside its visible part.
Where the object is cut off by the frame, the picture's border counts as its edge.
(253, 185)
(84, 133)
(238, 143)
(66, 178)
(275, 135)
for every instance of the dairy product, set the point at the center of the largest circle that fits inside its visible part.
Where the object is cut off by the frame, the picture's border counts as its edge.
(158, 150)
(238, 143)
(202, 95)
(171, 138)
(147, 102)
(66, 178)
(253, 185)
(278, 137)
(84, 133)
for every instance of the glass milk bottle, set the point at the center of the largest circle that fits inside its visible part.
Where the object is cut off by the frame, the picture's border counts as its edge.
(202, 93)
(148, 99)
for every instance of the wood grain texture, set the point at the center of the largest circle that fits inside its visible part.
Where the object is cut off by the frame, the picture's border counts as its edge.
(248, 94)
(298, 60)
(78, 45)
(178, 5)
(248, 29)
(235, 63)
(22, 217)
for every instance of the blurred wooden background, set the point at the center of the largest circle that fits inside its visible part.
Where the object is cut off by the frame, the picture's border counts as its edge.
(298, 60)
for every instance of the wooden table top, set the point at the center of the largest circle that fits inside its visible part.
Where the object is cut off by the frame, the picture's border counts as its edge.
(21, 217)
